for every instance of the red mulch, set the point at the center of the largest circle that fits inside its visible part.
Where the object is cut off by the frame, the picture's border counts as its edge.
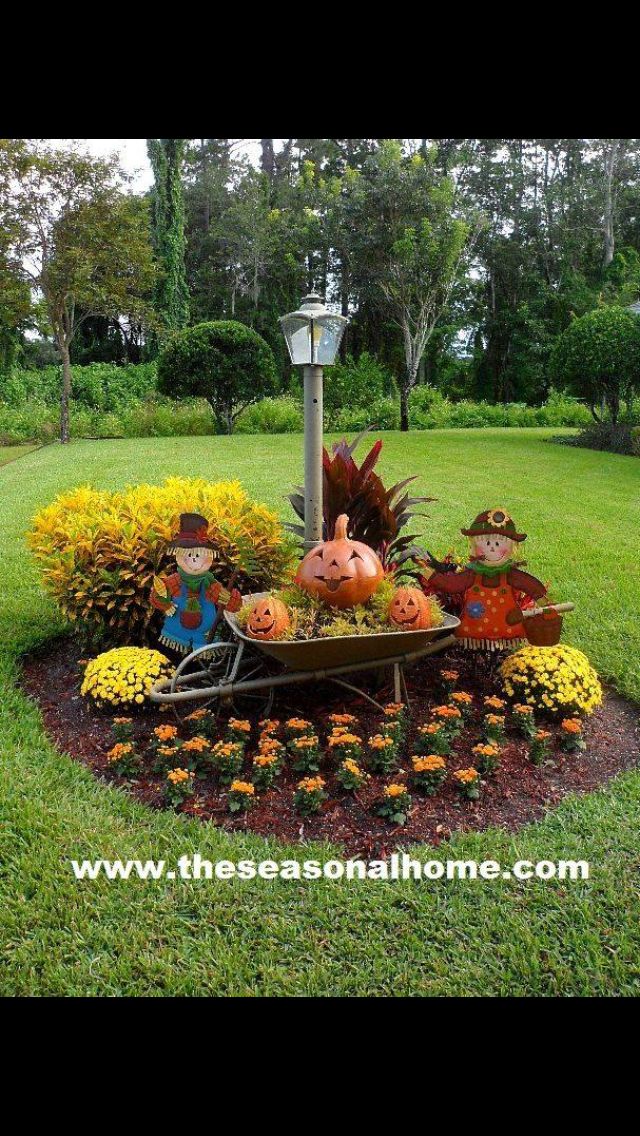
(517, 793)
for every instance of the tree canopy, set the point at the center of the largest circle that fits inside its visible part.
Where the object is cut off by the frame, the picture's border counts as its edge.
(223, 361)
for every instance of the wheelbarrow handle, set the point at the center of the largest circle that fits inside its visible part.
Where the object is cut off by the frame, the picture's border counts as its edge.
(529, 611)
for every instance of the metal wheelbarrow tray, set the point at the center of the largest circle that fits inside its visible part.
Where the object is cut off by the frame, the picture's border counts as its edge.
(338, 650)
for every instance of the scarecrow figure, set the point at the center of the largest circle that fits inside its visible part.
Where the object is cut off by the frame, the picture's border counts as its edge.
(493, 589)
(191, 598)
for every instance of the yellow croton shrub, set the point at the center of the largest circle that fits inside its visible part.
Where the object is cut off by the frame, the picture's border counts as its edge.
(98, 551)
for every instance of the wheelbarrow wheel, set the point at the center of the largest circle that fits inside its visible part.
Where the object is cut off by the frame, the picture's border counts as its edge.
(248, 666)
(203, 668)
(219, 665)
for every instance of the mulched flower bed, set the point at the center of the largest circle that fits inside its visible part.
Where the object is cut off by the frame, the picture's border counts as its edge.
(517, 793)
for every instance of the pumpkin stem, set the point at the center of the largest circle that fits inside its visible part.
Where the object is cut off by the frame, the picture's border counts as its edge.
(341, 527)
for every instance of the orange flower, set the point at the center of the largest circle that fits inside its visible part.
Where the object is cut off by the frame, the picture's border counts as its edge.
(269, 725)
(245, 787)
(165, 733)
(446, 712)
(311, 784)
(178, 776)
(307, 742)
(195, 745)
(264, 759)
(380, 742)
(494, 719)
(225, 749)
(298, 724)
(432, 728)
(486, 750)
(352, 766)
(342, 719)
(338, 731)
(450, 676)
(120, 749)
(270, 745)
(466, 776)
(572, 725)
(344, 739)
(392, 709)
(197, 715)
(394, 789)
(122, 721)
(494, 703)
(462, 697)
(542, 735)
(428, 764)
(239, 725)
(522, 708)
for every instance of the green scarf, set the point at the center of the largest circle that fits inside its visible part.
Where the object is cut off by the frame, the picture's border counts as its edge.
(490, 569)
(193, 582)
(193, 585)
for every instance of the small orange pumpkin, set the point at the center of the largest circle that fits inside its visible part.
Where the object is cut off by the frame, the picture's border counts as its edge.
(410, 610)
(341, 572)
(268, 619)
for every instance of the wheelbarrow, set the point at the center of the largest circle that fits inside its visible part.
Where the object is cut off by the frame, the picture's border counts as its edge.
(245, 673)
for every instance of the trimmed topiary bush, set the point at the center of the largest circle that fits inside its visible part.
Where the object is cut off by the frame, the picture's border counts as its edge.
(98, 552)
(599, 357)
(225, 362)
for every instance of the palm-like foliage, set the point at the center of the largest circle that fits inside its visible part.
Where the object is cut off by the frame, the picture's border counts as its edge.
(376, 514)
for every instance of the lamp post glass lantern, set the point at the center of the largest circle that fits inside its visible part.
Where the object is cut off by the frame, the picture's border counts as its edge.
(313, 336)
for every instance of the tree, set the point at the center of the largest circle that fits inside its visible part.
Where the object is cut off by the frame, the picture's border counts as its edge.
(224, 361)
(411, 245)
(171, 300)
(78, 239)
(598, 356)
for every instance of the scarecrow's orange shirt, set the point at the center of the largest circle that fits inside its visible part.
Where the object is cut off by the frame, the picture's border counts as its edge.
(490, 605)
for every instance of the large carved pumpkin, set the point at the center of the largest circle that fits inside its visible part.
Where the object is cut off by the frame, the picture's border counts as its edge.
(268, 619)
(341, 572)
(410, 610)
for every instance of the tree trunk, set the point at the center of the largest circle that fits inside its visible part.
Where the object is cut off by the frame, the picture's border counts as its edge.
(267, 157)
(65, 392)
(229, 419)
(610, 156)
(404, 403)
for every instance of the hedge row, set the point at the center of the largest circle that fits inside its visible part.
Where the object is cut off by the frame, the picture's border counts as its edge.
(158, 417)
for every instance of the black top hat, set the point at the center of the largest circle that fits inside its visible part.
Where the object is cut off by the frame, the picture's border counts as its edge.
(194, 533)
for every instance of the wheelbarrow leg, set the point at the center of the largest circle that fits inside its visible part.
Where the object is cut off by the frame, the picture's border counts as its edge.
(397, 683)
(356, 690)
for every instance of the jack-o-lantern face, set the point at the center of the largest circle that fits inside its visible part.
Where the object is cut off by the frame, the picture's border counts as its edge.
(410, 610)
(268, 619)
(341, 572)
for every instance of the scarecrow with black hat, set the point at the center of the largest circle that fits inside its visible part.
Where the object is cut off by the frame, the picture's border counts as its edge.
(191, 597)
(492, 587)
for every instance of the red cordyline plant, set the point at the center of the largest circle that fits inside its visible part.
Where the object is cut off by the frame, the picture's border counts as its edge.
(376, 515)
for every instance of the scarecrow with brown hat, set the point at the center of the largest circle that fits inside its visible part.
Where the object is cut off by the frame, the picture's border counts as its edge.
(491, 586)
(191, 598)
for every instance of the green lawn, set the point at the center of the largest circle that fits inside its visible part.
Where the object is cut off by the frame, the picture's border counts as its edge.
(59, 937)
(10, 453)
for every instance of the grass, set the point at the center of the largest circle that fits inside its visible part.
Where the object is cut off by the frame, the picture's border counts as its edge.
(59, 937)
(10, 453)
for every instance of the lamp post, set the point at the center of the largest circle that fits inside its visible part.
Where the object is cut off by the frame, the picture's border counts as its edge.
(313, 336)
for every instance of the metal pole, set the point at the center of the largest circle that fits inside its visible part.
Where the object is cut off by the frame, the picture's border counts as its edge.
(312, 455)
